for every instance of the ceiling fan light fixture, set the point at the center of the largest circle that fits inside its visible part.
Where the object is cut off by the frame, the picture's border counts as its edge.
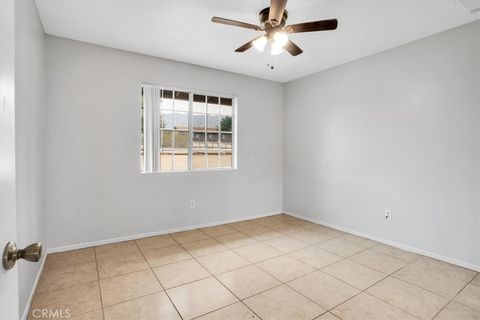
(260, 43)
(275, 49)
(280, 39)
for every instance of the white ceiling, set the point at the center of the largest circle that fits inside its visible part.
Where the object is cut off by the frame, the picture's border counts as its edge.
(181, 29)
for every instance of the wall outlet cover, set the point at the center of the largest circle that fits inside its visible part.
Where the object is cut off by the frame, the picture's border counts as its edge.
(388, 214)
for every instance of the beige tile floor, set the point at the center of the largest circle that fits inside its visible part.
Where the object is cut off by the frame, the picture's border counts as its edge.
(277, 267)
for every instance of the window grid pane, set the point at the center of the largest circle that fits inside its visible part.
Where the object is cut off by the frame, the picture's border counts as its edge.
(226, 158)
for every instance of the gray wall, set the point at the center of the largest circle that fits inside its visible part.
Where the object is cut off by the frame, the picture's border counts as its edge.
(398, 130)
(95, 190)
(30, 111)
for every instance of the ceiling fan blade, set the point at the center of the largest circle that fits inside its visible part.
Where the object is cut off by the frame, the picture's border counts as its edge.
(322, 25)
(292, 48)
(247, 45)
(277, 7)
(236, 23)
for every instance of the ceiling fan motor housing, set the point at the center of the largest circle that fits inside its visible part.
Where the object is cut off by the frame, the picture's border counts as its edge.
(265, 23)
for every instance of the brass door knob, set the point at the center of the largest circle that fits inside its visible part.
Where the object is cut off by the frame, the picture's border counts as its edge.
(11, 254)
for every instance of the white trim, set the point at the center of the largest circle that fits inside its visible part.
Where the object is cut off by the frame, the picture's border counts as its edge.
(193, 170)
(35, 284)
(437, 256)
(190, 130)
(157, 233)
(234, 133)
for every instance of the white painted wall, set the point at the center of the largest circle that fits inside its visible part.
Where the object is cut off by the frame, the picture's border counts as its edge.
(399, 130)
(93, 183)
(30, 123)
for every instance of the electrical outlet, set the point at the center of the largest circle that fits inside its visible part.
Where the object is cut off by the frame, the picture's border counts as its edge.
(388, 214)
(192, 204)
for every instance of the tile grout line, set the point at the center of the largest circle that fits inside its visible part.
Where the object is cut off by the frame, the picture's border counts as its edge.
(392, 275)
(387, 276)
(386, 302)
(130, 299)
(225, 306)
(286, 283)
(365, 290)
(281, 282)
(417, 286)
(228, 249)
(125, 273)
(158, 280)
(240, 299)
(98, 279)
(135, 298)
(83, 284)
(224, 287)
(321, 270)
(360, 290)
(453, 298)
(380, 253)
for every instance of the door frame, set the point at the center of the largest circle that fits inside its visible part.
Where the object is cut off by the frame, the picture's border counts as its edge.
(9, 299)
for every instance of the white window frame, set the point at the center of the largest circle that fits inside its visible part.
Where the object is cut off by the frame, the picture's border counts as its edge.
(154, 166)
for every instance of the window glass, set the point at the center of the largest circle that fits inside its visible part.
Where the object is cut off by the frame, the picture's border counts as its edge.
(167, 100)
(199, 103)
(226, 158)
(212, 122)
(181, 101)
(181, 139)
(226, 101)
(166, 138)
(199, 121)
(181, 159)
(212, 159)
(199, 140)
(212, 105)
(199, 159)
(212, 140)
(181, 120)
(166, 120)
(226, 123)
(226, 111)
(226, 140)
(166, 160)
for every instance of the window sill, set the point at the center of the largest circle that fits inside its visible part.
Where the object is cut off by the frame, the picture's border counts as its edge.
(194, 170)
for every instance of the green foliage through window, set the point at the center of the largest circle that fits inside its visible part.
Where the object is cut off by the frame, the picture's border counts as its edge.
(226, 124)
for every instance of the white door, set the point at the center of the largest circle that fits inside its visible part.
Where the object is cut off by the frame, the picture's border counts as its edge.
(8, 219)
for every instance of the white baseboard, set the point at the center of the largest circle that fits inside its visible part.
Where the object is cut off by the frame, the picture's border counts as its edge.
(391, 243)
(35, 284)
(156, 233)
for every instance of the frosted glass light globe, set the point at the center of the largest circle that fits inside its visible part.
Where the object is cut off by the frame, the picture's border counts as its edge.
(280, 39)
(260, 43)
(275, 49)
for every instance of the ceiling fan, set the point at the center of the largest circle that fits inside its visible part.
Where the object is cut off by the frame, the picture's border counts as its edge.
(273, 22)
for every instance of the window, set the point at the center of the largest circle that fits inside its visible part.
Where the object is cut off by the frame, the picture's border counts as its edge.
(185, 130)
